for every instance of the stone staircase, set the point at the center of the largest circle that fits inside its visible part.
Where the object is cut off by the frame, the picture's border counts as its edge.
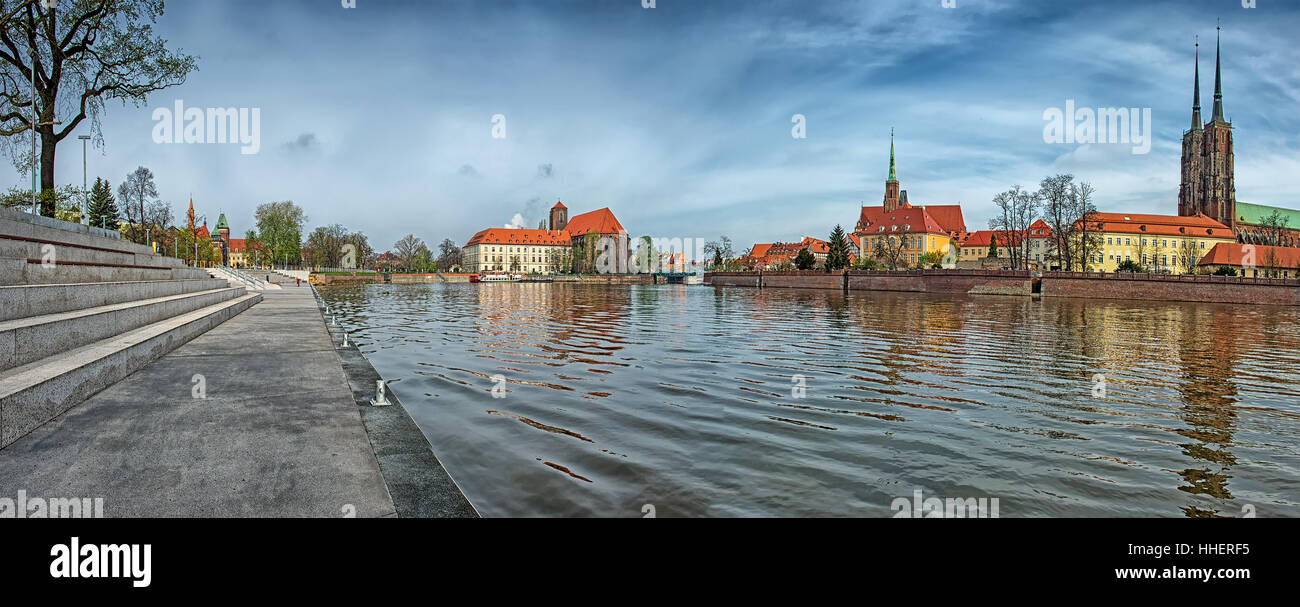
(81, 309)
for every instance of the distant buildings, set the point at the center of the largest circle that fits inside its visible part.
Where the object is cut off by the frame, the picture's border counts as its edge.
(781, 255)
(1038, 247)
(232, 250)
(910, 232)
(1161, 243)
(1277, 262)
(586, 242)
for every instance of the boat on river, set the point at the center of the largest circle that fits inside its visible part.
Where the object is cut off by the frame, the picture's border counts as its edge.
(497, 277)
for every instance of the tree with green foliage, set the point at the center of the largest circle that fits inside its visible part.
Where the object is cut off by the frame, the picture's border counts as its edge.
(87, 52)
(65, 200)
(103, 208)
(837, 257)
(805, 260)
(993, 246)
(933, 259)
(1128, 265)
(279, 225)
(1225, 271)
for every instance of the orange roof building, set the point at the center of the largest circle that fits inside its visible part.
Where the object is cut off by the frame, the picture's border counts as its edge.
(552, 250)
(905, 234)
(1159, 243)
(768, 256)
(1253, 260)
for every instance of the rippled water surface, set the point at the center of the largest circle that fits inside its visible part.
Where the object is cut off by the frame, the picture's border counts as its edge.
(684, 398)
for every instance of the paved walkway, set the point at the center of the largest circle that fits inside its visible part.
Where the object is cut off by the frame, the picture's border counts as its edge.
(279, 434)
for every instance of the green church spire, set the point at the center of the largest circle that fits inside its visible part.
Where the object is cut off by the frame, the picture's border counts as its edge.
(893, 177)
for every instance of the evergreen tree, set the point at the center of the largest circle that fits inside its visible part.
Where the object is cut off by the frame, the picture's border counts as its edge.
(993, 246)
(805, 260)
(837, 257)
(102, 209)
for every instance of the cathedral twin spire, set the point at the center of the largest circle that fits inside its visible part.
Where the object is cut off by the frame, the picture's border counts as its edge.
(1218, 86)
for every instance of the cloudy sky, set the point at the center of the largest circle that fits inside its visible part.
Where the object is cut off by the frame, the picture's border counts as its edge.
(678, 117)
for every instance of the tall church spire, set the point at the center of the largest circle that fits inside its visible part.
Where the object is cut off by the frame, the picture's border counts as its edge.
(1218, 82)
(1196, 96)
(893, 177)
(891, 185)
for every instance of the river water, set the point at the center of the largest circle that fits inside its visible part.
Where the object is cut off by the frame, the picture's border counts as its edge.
(621, 401)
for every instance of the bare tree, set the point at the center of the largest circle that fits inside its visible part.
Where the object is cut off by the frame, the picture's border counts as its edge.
(889, 250)
(449, 255)
(1088, 224)
(85, 52)
(1054, 192)
(1017, 209)
(407, 248)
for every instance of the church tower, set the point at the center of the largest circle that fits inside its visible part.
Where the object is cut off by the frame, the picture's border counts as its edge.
(1220, 188)
(1189, 189)
(1208, 185)
(891, 185)
(559, 216)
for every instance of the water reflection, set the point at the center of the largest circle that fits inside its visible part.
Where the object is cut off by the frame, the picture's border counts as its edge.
(683, 397)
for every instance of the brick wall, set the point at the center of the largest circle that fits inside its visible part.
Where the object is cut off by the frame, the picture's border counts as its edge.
(1212, 289)
(972, 281)
(987, 282)
(810, 280)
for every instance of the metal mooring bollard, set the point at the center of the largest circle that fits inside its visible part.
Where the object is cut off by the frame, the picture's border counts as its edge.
(345, 339)
(333, 321)
(381, 395)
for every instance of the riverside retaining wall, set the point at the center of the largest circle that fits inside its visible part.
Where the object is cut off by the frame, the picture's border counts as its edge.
(1210, 289)
(977, 282)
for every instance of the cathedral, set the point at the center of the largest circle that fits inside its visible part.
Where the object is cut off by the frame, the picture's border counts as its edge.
(1208, 186)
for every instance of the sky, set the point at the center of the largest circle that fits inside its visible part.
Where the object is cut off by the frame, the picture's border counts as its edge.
(679, 117)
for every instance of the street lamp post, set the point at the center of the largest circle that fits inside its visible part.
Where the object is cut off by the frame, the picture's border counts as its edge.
(85, 193)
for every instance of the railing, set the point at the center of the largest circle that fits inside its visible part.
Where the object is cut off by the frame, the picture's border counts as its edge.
(249, 281)
(927, 272)
(1182, 278)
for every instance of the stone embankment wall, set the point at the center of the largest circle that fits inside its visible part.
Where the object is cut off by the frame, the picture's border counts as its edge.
(1156, 287)
(979, 282)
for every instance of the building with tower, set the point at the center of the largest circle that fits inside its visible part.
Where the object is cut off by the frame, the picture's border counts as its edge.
(1208, 184)
(896, 223)
(597, 234)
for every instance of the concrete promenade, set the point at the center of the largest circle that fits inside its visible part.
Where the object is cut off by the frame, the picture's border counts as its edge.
(279, 434)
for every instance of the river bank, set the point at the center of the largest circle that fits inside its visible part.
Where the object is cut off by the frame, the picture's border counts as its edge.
(1147, 287)
(254, 418)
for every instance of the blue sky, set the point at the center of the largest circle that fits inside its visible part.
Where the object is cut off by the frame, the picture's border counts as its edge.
(679, 117)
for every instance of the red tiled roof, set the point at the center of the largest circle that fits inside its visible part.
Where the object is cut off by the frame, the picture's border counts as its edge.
(948, 216)
(904, 220)
(600, 221)
(814, 246)
(559, 205)
(983, 238)
(202, 232)
(1234, 254)
(759, 250)
(508, 236)
(236, 245)
(1162, 225)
